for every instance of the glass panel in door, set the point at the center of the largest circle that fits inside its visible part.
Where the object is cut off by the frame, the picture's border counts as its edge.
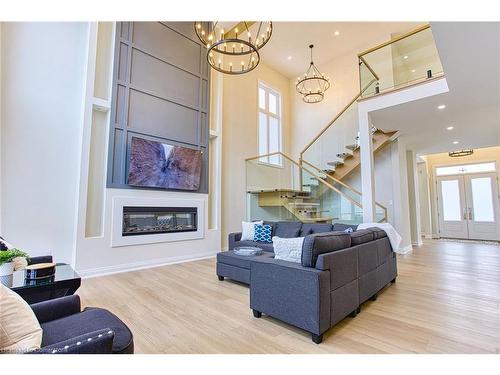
(450, 191)
(452, 207)
(482, 199)
(482, 206)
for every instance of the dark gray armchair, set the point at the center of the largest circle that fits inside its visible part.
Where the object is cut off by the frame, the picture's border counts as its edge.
(69, 330)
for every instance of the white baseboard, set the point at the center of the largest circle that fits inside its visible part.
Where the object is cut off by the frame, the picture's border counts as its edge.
(428, 236)
(417, 243)
(404, 250)
(135, 266)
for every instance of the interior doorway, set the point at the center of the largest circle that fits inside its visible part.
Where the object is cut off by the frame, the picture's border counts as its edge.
(468, 202)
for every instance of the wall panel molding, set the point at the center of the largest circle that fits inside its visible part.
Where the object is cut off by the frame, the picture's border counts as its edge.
(161, 90)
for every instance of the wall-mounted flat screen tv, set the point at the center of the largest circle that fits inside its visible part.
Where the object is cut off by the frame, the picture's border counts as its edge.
(160, 165)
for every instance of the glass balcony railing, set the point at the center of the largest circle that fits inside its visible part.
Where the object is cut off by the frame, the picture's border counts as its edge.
(405, 60)
(290, 191)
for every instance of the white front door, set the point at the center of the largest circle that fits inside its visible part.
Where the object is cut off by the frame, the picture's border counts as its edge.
(469, 206)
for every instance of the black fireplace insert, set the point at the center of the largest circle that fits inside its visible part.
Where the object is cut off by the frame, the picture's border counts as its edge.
(157, 220)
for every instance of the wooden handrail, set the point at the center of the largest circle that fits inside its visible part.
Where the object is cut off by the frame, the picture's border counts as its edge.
(397, 39)
(336, 117)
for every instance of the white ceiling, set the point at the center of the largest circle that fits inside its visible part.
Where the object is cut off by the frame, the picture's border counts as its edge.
(293, 38)
(470, 54)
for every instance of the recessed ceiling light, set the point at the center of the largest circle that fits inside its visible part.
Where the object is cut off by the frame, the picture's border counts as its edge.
(289, 57)
(413, 70)
(455, 142)
(336, 33)
(441, 106)
(450, 128)
(405, 57)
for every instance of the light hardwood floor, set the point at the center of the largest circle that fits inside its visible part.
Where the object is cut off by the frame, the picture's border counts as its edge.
(446, 300)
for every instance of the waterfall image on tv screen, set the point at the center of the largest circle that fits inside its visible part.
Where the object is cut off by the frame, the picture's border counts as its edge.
(160, 165)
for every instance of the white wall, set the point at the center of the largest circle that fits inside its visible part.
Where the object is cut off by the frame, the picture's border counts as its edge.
(240, 137)
(42, 82)
(307, 120)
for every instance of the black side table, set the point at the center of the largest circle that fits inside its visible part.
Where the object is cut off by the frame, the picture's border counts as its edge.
(65, 282)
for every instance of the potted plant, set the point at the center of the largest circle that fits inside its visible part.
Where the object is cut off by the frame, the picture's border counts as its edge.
(6, 257)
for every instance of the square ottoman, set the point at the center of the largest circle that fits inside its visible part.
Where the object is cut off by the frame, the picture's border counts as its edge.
(236, 267)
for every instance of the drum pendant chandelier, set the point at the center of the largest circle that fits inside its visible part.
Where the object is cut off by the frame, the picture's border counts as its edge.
(235, 51)
(313, 84)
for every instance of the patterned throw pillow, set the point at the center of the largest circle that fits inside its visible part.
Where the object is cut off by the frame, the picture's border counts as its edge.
(289, 249)
(263, 233)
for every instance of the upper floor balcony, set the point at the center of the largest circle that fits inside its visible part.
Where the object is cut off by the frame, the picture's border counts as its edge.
(403, 61)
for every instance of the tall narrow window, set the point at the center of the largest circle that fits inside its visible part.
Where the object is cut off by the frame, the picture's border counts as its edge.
(269, 125)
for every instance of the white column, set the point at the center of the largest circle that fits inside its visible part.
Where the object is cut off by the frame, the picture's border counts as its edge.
(367, 168)
(414, 198)
(401, 221)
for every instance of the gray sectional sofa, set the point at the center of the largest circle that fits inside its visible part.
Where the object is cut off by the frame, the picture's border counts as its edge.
(338, 272)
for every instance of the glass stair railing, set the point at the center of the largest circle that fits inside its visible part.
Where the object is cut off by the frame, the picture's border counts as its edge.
(352, 192)
(404, 60)
(289, 191)
(334, 153)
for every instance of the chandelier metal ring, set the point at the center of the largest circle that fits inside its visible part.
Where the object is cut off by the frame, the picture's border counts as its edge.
(236, 51)
(314, 97)
(252, 64)
(304, 92)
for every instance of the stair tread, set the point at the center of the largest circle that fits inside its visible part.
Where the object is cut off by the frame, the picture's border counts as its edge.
(335, 163)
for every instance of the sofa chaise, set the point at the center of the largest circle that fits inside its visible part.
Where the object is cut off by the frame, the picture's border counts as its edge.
(338, 272)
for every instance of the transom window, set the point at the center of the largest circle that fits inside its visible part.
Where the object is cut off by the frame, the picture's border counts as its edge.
(466, 168)
(269, 125)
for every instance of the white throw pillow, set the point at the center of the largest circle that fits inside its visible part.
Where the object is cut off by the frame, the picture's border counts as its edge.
(289, 249)
(19, 328)
(248, 230)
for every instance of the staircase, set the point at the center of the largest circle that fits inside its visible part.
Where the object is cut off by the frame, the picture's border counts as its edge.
(316, 188)
(348, 160)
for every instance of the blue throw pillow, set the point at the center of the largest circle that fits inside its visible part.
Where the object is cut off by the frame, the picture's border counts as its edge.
(263, 233)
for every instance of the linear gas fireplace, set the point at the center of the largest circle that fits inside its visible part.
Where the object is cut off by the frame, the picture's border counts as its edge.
(157, 220)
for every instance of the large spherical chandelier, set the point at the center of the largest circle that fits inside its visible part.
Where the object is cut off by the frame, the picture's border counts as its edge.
(234, 50)
(313, 84)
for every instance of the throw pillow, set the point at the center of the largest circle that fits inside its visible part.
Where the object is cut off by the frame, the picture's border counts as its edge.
(19, 328)
(289, 249)
(248, 230)
(263, 233)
